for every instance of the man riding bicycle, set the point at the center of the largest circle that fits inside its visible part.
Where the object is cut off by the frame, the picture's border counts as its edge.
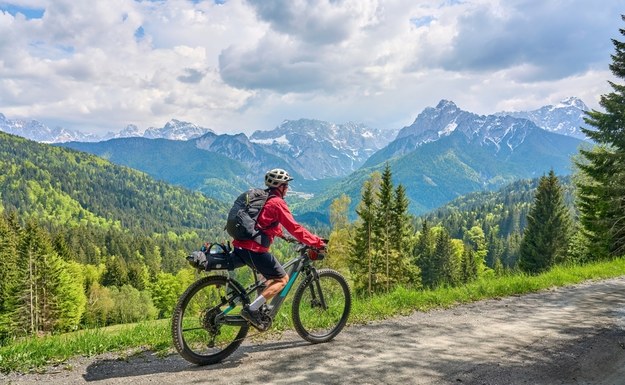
(274, 215)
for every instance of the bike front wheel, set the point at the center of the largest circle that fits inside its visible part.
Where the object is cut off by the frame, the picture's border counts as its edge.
(321, 306)
(202, 332)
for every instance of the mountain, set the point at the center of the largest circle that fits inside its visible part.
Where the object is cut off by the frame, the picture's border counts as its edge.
(39, 132)
(564, 118)
(239, 148)
(498, 133)
(221, 165)
(448, 152)
(70, 188)
(173, 130)
(316, 149)
(177, 162)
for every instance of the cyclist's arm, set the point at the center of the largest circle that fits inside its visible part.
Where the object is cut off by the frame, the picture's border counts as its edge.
(295, 229)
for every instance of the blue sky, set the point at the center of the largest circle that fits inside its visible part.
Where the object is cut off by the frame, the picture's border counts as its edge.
(240, 66)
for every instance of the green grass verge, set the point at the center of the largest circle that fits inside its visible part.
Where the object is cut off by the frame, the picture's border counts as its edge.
(34, 354)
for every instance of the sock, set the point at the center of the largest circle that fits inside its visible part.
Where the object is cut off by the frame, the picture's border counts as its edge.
(258, 302)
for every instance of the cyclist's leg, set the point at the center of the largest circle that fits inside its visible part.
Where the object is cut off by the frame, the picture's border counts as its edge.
(274, 286)
(270, 268)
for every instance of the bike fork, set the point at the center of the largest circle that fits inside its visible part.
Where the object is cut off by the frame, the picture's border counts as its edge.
(317, 285)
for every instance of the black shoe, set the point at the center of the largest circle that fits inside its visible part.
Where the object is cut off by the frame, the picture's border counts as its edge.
(259, 320)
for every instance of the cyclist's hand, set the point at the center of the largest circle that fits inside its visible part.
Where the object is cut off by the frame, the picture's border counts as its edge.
(321, 244)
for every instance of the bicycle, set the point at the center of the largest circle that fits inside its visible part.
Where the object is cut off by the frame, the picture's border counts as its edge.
(207, 328)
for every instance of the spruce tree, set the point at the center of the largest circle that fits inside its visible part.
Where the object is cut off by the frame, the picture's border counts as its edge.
(384, 223)
(361, 258)
(546, 237)
(444, 267)
(9, 279)
(401, 239)
(423, 255)
(601, 188)
(468, 267)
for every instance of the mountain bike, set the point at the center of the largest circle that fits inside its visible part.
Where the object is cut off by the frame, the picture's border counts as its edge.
(207, 326)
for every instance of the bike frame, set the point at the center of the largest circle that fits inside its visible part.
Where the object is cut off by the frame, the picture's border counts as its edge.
(294, 268)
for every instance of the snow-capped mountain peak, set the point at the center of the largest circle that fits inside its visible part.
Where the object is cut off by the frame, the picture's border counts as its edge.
(319, 149)
(565, 117)
(37, 131)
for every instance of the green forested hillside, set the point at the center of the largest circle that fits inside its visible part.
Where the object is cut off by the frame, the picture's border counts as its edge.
(438, 172)
(64, 186)
(101, 209)
(501, 214)
(87, 242)
(176, 162)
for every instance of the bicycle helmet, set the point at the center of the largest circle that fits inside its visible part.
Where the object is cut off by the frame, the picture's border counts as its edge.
(277, 177)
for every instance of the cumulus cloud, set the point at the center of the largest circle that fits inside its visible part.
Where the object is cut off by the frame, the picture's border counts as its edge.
(557, 39)
(240, 65)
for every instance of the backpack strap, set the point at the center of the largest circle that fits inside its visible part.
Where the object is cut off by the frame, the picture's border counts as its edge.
(272, 224)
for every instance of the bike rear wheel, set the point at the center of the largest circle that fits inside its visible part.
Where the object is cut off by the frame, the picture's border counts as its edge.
(199, 332)
(321, 307)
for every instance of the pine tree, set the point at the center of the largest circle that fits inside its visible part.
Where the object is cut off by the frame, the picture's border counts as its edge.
(42, 273)
(361, 265)
(9, 279)
(384, 224)
(601, 189)
(546, 237)
(468, 264)
(116, 273)
(444, 264)
(423, 255)
(407, 273)
(401, 230)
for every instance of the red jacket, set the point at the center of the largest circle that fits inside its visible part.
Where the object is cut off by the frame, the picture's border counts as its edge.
(276, 210)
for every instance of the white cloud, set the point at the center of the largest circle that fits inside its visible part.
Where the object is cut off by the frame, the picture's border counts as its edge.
(241, 66)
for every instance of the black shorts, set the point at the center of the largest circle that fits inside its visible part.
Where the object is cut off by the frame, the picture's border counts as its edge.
(265, 263)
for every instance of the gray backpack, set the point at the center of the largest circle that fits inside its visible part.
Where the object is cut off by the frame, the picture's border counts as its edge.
(243, 216)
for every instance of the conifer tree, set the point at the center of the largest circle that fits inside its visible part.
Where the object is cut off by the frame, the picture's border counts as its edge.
(116, 273)
(423, 255)
(361, 258)
(468, 264)
(402, 229)
(402, 238)
(444, 266)
(601, 189)
(42, 282)
(384, 223)
(9, 279)
(546, 237)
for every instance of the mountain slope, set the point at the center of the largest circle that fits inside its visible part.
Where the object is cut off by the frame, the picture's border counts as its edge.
(448, 152)
(176, 162)
(564, 118)
(64, 186)
(316, 149)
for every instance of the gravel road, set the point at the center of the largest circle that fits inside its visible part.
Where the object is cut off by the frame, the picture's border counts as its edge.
(572, 335)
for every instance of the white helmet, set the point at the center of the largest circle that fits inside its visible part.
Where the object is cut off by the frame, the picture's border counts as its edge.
(277, 177)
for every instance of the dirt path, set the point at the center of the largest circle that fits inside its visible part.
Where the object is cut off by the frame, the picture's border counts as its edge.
(573, 335)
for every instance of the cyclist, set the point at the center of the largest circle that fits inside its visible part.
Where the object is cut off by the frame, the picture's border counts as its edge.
(273, 216)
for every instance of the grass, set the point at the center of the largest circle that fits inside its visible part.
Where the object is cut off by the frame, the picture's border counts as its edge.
(36, 353)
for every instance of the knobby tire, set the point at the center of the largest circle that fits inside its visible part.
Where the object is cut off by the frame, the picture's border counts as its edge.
(194, 329)
(314, 323)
